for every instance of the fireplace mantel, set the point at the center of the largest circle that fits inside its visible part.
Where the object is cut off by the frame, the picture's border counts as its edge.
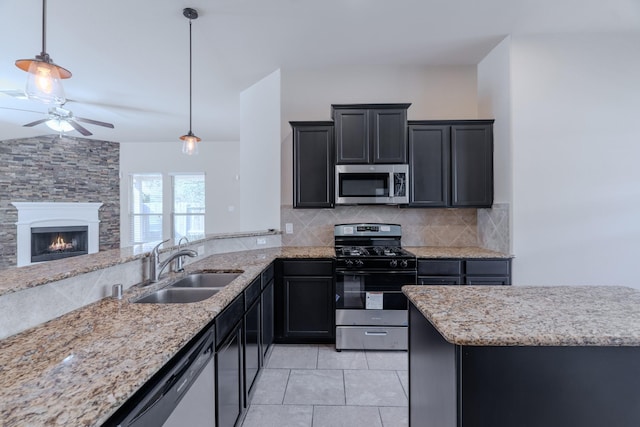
(54, 214)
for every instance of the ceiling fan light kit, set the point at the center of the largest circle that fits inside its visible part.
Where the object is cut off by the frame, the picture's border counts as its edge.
(44, 80)
(190, 141)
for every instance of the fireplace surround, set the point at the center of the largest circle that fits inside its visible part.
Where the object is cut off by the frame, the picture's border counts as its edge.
(74, 228)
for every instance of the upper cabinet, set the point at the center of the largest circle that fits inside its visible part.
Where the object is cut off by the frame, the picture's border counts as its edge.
(313, 168)
(370, 133)
(451, 163)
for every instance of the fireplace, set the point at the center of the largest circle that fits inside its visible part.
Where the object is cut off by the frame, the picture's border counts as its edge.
(49, 231)
(49, 243)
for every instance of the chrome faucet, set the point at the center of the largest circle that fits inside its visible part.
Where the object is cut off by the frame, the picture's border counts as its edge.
(156, 267)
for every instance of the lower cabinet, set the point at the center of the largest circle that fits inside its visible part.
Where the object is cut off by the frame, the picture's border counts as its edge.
(229, 364)
(252, 342)
(267, 310)
(305, 302)
(464, 271)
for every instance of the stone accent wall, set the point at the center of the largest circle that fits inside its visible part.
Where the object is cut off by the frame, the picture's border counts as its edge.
(58, 169)
(420, 227)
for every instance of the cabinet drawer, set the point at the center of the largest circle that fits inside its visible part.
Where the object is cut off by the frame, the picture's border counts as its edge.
(433, 267)
(251, 293)
(307, 268)
(267, 275)
(495, 267)
(488, 280)
(226, 320)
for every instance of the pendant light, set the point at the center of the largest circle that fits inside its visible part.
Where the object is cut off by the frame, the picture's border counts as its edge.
(43, 82)
(190, 141)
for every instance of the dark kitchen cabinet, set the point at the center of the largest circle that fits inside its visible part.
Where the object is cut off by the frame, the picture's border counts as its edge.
(440, 271)
(477, 271)
(370, 133)
(305, 301)
(429, 165)
(451, 163)
(252, 342)
(313, 164)
(488, 272)
(267, 309)
(472, 165)
(229, 364)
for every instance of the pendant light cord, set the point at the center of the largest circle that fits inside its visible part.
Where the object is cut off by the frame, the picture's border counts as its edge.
(190, 78)
(44, 27)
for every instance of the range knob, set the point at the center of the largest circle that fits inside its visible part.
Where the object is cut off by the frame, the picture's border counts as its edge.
(393, 263)
(359, 262)
(349, 262)
(404, 263)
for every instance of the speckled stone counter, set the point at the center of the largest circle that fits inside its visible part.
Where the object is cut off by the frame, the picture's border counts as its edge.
(78, 369)
(505, 356)
(455, 252)
(531, 316)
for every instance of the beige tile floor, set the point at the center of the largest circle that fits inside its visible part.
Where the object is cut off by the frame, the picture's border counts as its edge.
(316, 386)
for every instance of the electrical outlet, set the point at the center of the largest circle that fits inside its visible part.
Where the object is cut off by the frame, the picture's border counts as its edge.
(261, 241)
(288, 228)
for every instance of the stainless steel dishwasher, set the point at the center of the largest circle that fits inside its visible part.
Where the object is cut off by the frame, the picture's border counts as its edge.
(185, 395)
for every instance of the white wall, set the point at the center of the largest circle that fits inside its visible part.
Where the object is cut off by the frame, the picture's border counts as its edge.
(260, 155)
(434, 93)
(218, 160)
(494, 101)
(576, 147)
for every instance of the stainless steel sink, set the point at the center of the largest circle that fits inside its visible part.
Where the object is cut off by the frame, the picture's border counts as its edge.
(178, 295)
(191, 288)
(205, 280)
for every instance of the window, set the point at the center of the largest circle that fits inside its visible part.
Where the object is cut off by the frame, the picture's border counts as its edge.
(188, 206)
(145, 208)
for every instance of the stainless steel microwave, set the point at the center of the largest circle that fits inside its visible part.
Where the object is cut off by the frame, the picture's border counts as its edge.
(372, 184)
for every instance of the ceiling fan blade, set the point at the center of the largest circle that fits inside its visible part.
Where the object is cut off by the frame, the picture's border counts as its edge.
(15, 93)
(94, 122)
(79, 128)
(37, 122)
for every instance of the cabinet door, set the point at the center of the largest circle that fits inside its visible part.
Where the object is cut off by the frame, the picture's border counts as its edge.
(389, 135)
(267, 317)
(309, 311)
(252, 349)
(472, 165)
(229, 379)
(313, 168)
(429, 148)
(352, 136)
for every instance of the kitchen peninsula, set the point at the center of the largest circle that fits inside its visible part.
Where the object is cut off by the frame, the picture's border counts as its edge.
(524, 356)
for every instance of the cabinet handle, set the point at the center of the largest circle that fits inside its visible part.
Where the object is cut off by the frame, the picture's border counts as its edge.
(376, 334)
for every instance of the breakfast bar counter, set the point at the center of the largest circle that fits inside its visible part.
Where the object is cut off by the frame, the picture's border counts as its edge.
(526, 356)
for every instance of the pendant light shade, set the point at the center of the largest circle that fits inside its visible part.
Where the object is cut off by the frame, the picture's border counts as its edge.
(44, 80)
(190, 141)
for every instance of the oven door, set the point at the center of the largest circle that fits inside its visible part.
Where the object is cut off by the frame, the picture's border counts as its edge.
(372, 290)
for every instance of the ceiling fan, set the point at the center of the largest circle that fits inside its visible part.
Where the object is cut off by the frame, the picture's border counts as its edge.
(63, 120)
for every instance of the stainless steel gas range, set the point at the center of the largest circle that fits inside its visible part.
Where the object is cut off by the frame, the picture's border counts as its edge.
(371, 267)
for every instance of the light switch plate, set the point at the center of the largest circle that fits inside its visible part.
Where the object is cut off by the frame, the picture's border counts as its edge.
(261, 241)
(288, 228)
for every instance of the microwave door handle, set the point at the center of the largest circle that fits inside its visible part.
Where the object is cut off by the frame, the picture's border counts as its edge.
(392, 185)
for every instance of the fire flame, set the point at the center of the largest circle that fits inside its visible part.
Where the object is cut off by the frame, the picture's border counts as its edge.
(60, 245)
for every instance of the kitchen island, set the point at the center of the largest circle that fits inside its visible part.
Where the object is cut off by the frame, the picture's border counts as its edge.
(524, 356)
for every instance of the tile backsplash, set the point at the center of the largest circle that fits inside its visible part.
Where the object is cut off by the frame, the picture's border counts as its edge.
(420, 227)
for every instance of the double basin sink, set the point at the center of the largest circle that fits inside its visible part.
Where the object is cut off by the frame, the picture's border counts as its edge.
(191, 288)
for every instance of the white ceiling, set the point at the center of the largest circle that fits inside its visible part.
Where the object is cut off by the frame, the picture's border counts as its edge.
(129, 58)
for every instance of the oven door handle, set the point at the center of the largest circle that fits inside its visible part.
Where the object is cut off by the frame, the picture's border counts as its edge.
(373, 272)
(375, 333)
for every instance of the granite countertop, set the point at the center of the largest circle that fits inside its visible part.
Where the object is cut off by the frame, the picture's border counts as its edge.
(78, 369)
(531, 316)
(455, 252)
